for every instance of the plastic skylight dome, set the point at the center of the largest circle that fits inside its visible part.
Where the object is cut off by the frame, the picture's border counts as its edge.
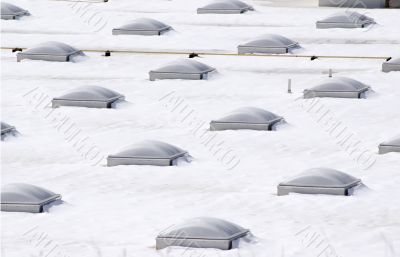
(390, 146)
(21, 197)
(320, 181)
(12, 12)
(391, 65)
(201, 232)
(338, 87)
(269, 44)
(50, 51)
(88, 96)
(225, 7)
(182, 69)
(345, 20)
(6, 130)
(149, 152)
(143, 26)
(247, 118)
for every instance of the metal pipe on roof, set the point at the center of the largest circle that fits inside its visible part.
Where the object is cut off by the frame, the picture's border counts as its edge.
(312, 57)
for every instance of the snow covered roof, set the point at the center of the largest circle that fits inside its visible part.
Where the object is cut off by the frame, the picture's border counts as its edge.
(50, 51)
(88, 96)
(202, 232)
(340, 87)
(12, 12)
(142, 26)
(345, 19)
(391, 65)
(21, 197)
(149, 152)
(247, 118)
(320, 181)
(182, 69)
(6, 130)
(225, 7)
(269, 43)
(390, 146)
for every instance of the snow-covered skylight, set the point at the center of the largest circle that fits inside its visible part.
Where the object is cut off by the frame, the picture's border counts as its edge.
(88, 96)
(12, 12)
(345, 19)
(182, 69)
(142, 26)
(339, 87)
(50, 51)
(389, 146)
(320, 181)
(7, 130)
(269, 43)
(149, 152)
(203, 232)
(225, 7)
(21, 197)
(247, 118)
(391, 65)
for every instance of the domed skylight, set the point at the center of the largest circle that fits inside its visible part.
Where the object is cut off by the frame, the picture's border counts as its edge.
(345, 20)
(50, 51)
(320, 181)
(338, 87)
(88, 96)
(12, 12)
(142, 26)
(201, 233)
(149, 153)
(391, 65)
(390, 146)
(247, 118)
(20, 197)
(225, 7)
(268, 44)
(182, 69)
(7, 130)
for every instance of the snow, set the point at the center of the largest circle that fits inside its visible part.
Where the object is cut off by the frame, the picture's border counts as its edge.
(118, 211)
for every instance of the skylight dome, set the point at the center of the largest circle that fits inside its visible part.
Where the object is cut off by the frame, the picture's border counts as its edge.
(143, 26)
(201, 232)
(390, 146)
(320, 181)
(88, 96)
(12, 12)
(182, 69)
(225, 7)
(21, 197)
(268, 44)
(247, 118)
(7, 130)
(339, 87)
(345, 20)
(149, 152)
(50, 51)
(391, 65)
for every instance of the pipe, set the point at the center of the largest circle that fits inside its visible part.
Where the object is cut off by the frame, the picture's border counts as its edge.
(311, 57)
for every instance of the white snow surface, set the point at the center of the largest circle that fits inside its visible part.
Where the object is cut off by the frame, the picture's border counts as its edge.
(118, 211)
